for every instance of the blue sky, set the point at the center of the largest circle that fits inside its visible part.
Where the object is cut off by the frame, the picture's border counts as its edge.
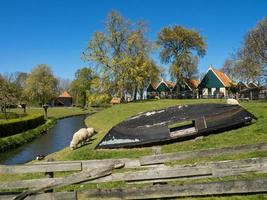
(55, 32)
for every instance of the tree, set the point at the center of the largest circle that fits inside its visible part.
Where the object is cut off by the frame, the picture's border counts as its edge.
(106, 49)
(81, 85)
(181, 48)
(253, 53)
(8, 94)
(228, 68)
(63, 84)
(140, 68)
(121, 55)
(41, 84)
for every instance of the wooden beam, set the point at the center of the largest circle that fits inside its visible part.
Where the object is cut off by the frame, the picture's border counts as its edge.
(45, 196)
(165, 173)
(156, 159)
(167, 191)
(157, 174)
(85, 175)
(47, 167)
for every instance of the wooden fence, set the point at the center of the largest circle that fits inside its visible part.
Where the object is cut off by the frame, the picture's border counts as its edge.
(148, 169)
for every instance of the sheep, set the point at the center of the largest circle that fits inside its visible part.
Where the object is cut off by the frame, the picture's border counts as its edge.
(80, 137)
(232, 102)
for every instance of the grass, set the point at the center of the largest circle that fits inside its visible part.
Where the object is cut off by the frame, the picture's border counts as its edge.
(55, 112)
(104, 120)
(10, 142)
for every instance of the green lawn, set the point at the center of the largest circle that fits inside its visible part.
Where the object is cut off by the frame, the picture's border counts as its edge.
(104, 120)
(55, 112)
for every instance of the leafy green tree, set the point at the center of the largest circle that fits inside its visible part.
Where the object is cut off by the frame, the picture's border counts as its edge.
(140, 68)
(81, 85)
(106, 49)
(8, 94)
(120, 54)
(41, 85)
(181, 48)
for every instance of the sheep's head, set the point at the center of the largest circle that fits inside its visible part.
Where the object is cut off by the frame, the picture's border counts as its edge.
(72, 145)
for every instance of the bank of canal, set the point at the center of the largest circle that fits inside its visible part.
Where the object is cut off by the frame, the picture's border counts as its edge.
(54, 140)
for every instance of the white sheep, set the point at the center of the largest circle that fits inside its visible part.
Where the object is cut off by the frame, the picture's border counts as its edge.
(80, 137)
(232, 102)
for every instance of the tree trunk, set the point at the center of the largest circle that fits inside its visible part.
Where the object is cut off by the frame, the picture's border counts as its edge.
(135, 92)
(5, 111)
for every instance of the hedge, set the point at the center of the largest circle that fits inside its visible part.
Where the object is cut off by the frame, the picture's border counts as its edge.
(14, 141)
(14, 126)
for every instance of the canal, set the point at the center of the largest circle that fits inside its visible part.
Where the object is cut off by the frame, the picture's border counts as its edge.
(55, 139)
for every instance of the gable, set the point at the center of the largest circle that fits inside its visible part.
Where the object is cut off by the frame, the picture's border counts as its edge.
(163, 88)
(150, 88)
(183, 87)
(210, 80)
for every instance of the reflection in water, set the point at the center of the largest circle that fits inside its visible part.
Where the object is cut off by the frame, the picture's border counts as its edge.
(55, 139)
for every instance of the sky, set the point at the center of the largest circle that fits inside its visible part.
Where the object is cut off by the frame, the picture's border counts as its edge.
(55, 32)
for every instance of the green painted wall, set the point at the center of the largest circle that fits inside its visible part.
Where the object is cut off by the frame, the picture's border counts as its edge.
(183, 88)
(151, 89)
(163, 87)
(210, 80)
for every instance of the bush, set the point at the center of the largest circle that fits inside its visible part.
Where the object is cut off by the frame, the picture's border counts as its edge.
(98, 99)
(11, 115)
(13, 141)
(14, 126)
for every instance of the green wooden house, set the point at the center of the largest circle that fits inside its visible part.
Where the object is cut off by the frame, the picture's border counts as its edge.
(162, 89)
(214, 84)
(187, 89)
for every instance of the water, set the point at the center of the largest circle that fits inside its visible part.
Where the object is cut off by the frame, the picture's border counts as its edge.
(54, 140)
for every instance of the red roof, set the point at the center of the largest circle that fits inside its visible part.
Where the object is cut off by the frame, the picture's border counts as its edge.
(223, 77)
(193, 84)
(64, 94)
(154, 85)
(170, 84)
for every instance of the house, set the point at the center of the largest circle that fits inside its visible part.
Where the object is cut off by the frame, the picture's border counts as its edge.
(64, 99)
(241, 86)
(187, 89)
(252, 92)
(163, 89)
(214, 84)
(168, 89)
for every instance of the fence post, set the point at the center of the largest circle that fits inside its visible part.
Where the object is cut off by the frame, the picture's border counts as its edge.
(50, 174)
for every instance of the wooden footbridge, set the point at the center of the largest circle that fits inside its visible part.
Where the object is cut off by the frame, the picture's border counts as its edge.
(159, 179)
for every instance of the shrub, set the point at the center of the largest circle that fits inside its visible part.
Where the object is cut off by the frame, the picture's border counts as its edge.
(13, 141)
(14, 126)
(11, 115)
(99, 99)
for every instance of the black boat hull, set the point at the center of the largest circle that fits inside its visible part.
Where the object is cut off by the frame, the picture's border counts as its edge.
(155, 127)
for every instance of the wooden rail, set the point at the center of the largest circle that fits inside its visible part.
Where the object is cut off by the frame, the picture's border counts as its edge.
(150, 169)
(156, 159)
(162, 191)
(163, 173)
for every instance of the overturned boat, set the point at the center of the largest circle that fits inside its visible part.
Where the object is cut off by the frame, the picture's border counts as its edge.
(175, 124)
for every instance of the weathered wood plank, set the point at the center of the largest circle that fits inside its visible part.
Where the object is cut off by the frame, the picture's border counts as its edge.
(166, 191)
(85, 175)
(91, 164)
(156, 174)
(166, 173)
(156, 159)
(45, 196)
(47, 167)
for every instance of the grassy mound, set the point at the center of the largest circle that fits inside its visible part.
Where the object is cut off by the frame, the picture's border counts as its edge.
(104, 120)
